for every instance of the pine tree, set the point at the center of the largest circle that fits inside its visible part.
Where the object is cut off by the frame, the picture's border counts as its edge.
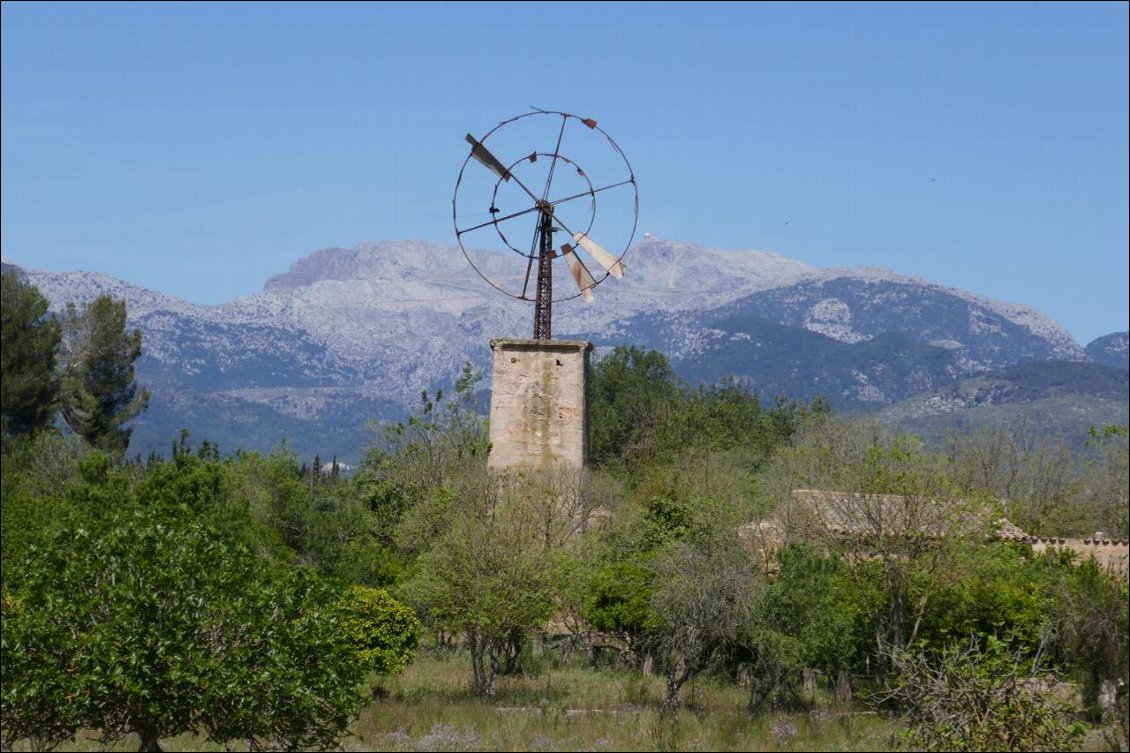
(28, 387)
(98, 391)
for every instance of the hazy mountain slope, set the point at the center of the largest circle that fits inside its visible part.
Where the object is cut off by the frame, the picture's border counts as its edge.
(775, 359)
(1054, 397)
(1111, 350)
(348, 335)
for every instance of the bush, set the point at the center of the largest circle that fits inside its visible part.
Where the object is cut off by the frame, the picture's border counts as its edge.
(974, 698)
(382, 631)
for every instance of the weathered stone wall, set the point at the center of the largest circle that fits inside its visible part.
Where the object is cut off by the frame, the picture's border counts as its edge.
(1113, 555)
(538, 409)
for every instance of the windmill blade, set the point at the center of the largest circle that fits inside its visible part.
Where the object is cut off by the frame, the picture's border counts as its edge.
(611, 264)
(482, 154)
(581, 275)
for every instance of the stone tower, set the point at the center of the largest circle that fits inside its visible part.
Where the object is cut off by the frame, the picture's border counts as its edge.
(538, 405)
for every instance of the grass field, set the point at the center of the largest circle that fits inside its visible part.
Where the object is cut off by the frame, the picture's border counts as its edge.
(580, 708)
(574, 707)
(577, 707)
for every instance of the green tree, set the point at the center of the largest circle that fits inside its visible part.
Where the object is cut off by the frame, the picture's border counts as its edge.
(28, 340)
(98, 392)
(490, 576)
(40, 483)
(1005, 590)
(810, 617)
(1092, 620)
(618, 601)
(157, 626)
(1107, 477)
(326, 524)
(679, 509)
(630, 389)
(445, 438)
(727, 418)
(704, 591)
(642, 414)
(887, 508)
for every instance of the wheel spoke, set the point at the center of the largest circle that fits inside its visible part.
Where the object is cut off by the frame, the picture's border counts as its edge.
(553, 163)
(530, 263)
(484, 157)
(563, 225)
(496, 220)
(525, 188)
(592, 192)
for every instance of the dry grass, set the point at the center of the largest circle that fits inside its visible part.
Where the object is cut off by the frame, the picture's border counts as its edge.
(431, 708)
(576, 707)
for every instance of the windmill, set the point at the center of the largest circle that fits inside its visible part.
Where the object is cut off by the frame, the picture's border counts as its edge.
(531, 180)
(526, 200)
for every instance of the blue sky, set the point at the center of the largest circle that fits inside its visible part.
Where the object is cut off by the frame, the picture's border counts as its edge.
(199, 149)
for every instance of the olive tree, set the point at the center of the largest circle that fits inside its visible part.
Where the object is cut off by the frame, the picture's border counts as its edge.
(704, 592)
(424, 455)
(491, 574)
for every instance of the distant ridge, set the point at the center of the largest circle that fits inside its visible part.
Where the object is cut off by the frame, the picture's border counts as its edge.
(349, 335)
(1110, 350)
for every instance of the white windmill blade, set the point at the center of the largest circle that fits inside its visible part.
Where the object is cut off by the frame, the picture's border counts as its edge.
(611, 264)
(581, 275)
(483, 155)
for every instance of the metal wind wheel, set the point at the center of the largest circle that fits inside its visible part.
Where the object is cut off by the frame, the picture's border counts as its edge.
(527, 198)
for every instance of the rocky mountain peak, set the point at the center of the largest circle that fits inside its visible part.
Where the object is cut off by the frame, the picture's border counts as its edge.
(687, 268)
(371, 260)
(1111, 350)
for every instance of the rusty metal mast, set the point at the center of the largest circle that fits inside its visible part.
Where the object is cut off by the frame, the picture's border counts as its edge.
(543, 296)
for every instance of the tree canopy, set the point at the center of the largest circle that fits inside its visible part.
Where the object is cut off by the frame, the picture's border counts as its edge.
(159, 627)
(28, 341)
(98, 393)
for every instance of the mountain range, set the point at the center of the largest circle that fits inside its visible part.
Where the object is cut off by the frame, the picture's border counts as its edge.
(349, 337)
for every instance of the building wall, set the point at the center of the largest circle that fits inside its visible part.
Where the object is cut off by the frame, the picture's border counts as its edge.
(1113, 555)
(538, 409)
